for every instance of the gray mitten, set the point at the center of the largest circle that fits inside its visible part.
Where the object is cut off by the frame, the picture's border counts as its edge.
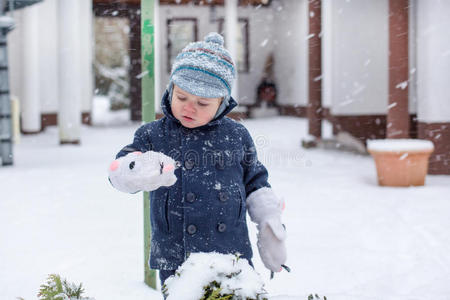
(139, 171)
(271, 236)
(265, 209)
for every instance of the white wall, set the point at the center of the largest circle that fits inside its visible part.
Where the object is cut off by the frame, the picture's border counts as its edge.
(412, 84)
(30, 108)
(290, 40)
(355, 64)
(87, 54)
(327, 57)
(48, 55)
(48, 50)
(433, 60)
(261, 23)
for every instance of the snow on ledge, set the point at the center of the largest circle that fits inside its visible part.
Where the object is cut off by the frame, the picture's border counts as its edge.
(399, 145)
(6, 21)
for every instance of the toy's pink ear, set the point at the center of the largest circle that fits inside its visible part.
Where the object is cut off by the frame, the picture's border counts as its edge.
(114, 165)
(168, 168)
(137, 152)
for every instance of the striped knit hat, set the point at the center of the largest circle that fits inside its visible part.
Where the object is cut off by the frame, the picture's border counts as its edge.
(205, 69)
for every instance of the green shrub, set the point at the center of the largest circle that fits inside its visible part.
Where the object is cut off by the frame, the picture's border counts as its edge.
(57, 289)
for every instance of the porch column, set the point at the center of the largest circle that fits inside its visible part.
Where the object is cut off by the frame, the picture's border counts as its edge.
(86, 52)
(148, 30)
(31, 106)
(398, 113)
(231, 26)
(69, 94)
(315, 69)
(433, 88)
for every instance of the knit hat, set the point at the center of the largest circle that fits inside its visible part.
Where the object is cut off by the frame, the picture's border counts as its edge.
(205, 69)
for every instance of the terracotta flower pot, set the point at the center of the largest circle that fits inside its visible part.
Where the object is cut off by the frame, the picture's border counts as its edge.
(401, 162)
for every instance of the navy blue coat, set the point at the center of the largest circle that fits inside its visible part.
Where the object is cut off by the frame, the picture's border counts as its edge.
(205, 209)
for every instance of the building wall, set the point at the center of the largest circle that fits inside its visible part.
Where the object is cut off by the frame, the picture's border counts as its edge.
(355, 56)
(433, 60)
(412, 84)
(271, 29)
(290, 41)
(261, 23)
(433, 84)
(327, 42)
(48, 55)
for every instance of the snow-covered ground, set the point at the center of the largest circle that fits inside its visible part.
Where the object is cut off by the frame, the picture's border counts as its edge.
(347, 237)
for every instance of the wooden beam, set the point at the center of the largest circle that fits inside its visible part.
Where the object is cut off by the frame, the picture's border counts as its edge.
(134, 52)
(398, 112)
(315, 68)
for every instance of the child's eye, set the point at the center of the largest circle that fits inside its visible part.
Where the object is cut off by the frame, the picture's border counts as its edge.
(203, 104)
(181, 98)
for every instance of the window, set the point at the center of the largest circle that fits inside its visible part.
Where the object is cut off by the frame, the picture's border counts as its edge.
(243, 64)
(180, 32)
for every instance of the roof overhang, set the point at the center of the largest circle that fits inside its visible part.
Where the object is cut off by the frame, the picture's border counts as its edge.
(18, 4)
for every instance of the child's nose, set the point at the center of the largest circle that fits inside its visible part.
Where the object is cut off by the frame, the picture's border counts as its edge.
(189, 106)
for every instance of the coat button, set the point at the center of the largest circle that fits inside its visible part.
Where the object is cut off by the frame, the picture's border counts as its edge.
(223, 196)
(191, 229)
(190, 197)
(189, 164)
(221, 227)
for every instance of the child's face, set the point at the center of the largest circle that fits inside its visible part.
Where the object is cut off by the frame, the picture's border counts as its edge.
(193, 111)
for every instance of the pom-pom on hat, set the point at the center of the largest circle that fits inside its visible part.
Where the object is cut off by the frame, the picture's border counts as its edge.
(205, 69)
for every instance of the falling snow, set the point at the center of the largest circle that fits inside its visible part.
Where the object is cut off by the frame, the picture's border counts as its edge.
(348, 238)
(264, 43)
(392, 105)
(218, 186)
(402, 85)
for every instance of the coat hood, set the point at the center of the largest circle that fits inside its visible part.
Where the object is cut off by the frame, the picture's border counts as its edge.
(167, 110)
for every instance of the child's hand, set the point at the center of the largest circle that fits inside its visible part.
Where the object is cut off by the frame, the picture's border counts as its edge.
(139, 171)
(271, 246)
(265, 209)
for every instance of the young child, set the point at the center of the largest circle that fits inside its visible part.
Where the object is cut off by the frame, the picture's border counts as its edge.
(201, 168)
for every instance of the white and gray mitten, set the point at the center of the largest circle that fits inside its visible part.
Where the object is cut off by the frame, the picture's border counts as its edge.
(139, 171)
(265, 210)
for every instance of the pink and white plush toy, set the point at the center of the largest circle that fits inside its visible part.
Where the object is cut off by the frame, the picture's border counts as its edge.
(139, 171)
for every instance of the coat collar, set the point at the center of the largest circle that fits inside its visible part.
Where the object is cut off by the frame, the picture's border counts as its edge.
(167, 110)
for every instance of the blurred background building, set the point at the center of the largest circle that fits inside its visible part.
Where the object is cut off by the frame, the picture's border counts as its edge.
(62, 53)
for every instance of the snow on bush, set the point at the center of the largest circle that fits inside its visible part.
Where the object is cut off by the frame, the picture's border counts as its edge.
(207, 276)
(60, 289)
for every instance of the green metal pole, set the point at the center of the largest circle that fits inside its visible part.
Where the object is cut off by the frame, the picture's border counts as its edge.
(148, 112)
